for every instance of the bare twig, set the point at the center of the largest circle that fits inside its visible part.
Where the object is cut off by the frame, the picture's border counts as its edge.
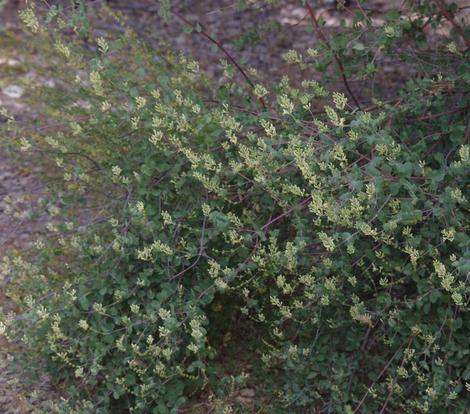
(301, 205)
(338, 61)
(200, 253)
(384, 369)
(467, 132)
(450, 17)
(390, 393)
(203, 33)
(439, 114)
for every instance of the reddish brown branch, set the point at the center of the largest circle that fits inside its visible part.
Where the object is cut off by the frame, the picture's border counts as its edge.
(338, 61)
(450, 17)
(301, 205)
(439, 114)
(266, 226)
(219, 45)
(389, 396)
(467, 133)
(384, 369)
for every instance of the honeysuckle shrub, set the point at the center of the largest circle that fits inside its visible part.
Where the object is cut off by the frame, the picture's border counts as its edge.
(338, 239)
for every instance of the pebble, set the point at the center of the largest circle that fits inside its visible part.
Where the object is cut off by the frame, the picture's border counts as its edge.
(13, 91)
(9, 62)
(247, 393)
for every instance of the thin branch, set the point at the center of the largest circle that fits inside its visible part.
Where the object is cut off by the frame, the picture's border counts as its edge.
(338, 61)
(450, 17)
(200, 253)
(384, 369)
(301, 205)
(389, 396)
(203, 33)
(467, 133)
(439, 114)
(266, 226)
(71, 153)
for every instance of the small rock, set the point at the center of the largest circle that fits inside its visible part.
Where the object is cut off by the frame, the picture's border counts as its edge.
(13, 91)
(247, 393)
(50, 83)
(82, 104)
(9, 62)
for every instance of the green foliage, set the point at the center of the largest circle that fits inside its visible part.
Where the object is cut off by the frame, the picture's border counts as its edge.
(339, 238)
